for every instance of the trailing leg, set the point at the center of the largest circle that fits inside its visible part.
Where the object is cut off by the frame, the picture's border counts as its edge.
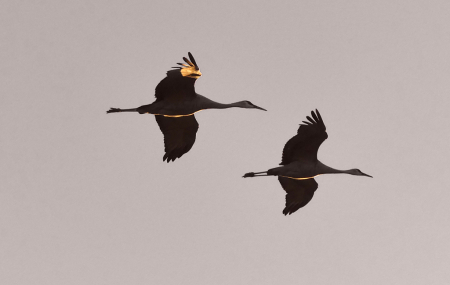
(117, 110)
(271, 172)
(255, 174)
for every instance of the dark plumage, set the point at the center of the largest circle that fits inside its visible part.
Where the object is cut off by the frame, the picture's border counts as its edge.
(298, 193)
(306, 143)
(300, 164)
(179, 135)
(175, 105)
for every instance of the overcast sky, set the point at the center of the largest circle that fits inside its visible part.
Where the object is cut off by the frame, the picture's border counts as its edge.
(86, 199)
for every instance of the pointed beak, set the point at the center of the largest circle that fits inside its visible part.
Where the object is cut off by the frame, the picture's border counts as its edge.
(256, 107)
(366, 175)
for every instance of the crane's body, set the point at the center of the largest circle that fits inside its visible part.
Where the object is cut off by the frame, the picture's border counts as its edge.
(300, 164)
(175, 105)
(301, 170)
(186, 107)
(295, 170)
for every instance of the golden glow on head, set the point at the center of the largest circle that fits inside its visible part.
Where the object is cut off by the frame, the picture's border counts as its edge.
(302, 178)
(176, 116)
(190, 71)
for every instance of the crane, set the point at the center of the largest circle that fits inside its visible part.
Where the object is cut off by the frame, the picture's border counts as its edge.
(300, 164)
(175, 105)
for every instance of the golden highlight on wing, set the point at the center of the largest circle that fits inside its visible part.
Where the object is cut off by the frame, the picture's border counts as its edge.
(178, 85)
(190, 69)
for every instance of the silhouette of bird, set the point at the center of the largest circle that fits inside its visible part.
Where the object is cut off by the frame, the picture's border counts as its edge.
(175, 105)
(300, 164)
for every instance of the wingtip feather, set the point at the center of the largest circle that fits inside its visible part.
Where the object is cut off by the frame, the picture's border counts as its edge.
(187, 61)
(314, 116)
(191, 57)
(318, 114)
(311, 120)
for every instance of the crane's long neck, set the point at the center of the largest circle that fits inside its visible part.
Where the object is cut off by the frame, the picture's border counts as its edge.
(210, 104)
(324, 169)
(217, 105)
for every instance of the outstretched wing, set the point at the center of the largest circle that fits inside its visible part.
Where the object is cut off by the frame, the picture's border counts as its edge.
(306, 143)
(179, 135)
(298, 192)
(178, 85)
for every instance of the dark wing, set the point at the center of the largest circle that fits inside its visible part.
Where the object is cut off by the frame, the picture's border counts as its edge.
(175, 87)
(298, 192)
(306, 143)
(179, 135)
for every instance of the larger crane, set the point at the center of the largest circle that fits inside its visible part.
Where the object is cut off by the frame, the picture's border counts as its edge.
(175, 105)
(300, 164)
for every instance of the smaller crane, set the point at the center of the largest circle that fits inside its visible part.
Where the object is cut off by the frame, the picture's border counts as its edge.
(300, 164)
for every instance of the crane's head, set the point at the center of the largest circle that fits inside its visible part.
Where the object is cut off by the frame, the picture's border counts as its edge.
(248, 105)
(358, 172)
(190, 68)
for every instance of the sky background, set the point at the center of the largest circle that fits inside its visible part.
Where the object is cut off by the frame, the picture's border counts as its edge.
(86, 199)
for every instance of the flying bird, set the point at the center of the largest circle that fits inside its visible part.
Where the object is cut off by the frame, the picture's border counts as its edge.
(300, 164)
(175, 105)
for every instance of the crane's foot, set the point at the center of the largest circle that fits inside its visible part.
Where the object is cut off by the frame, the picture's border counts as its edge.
(113, 110)
(250, 174)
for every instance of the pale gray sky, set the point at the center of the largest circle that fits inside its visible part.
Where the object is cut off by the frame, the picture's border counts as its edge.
(86, 198)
